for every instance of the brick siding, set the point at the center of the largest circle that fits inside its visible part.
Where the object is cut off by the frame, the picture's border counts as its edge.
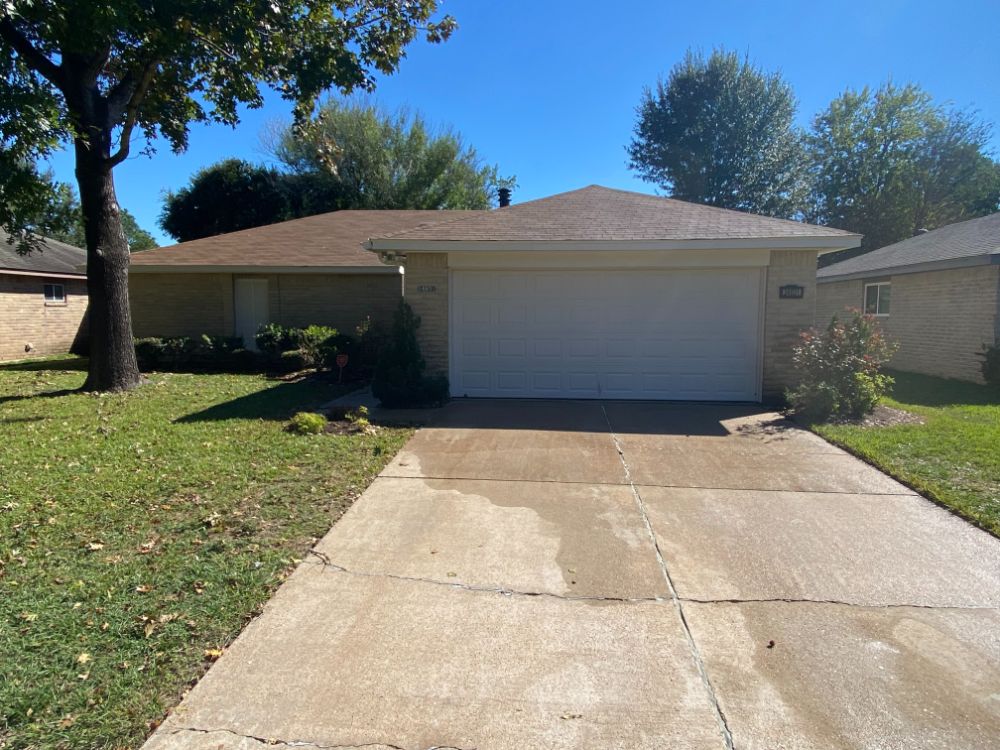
(940, 319)
(190, 304)
(30, 327)
(425, 270)
(785, 319)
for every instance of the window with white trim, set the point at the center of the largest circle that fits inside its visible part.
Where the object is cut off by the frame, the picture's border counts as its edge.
(55, 294)
(877, 298)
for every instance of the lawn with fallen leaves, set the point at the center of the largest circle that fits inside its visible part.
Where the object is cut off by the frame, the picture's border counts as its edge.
(140, 532)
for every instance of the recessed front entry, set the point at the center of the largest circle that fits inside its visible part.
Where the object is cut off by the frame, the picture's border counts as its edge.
(642, 334)
(251, 309)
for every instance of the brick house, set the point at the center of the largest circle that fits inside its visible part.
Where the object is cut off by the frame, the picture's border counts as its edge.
(600, 293)
(937, 295)
(296, 273)
(43, 299)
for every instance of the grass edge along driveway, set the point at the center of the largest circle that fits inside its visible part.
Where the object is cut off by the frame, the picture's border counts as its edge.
(140, 532)
(952, 457)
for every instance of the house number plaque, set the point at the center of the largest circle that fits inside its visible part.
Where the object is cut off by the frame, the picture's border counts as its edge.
(791, 291)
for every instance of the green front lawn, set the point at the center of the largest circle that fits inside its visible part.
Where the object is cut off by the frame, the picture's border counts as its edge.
(140, 532)
(954, 457)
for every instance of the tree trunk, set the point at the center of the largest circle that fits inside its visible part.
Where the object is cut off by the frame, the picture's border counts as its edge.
(113, 365)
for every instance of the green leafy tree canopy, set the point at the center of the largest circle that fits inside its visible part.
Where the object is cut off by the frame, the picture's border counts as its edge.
(96, 74)
(889, 162)
(720, 131)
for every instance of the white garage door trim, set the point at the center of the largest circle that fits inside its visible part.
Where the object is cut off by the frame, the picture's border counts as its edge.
(659, 379)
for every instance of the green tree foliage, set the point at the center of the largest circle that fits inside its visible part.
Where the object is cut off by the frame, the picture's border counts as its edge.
(61, 219)
(225, 197)
(352, 155)
(889, 162)
(720, 131)
(369, 158)
(95, 74)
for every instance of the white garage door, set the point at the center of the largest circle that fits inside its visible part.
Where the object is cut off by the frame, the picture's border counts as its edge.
(679, 334)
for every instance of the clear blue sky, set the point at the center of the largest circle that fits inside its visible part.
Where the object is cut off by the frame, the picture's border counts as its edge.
(546, 89)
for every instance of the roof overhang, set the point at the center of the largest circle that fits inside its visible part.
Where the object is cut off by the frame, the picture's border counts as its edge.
(42, 274)
(933, 265)
(822, 244)
(346, 270)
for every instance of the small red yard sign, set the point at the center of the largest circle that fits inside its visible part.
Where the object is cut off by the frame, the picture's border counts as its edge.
(341, 363)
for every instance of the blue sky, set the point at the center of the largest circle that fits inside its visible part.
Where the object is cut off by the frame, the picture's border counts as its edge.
(547, 89)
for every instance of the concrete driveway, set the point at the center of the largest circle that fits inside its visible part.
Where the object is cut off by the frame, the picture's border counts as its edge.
(620, 575)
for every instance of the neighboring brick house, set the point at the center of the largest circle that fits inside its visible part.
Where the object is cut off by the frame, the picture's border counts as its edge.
(43, 299)
(295, 273)
(937, 295)
(600, 293)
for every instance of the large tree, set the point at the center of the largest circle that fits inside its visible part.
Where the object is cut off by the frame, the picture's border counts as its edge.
(62, 219)
(720, 131)
(97, 74)
(889, 162)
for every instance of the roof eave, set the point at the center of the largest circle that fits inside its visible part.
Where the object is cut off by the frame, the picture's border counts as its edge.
(823, 244)
(970, 261)
(193, 268)
(45, 274)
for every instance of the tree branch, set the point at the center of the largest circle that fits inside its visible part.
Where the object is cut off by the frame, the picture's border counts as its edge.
(35, 60)
(131, 112)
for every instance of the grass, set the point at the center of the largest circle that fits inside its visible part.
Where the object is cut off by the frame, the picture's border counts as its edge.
(953, 457)
(140, 532)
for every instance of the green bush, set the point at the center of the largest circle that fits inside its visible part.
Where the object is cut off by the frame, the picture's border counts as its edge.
(991, 364)
(366, 348)
(840, 369)
(204, 354)
(399, 380)
(273, 340)
(307, 423)
(318, 344)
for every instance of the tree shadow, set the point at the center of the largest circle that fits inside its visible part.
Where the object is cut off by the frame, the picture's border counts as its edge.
(927, 390)
(44, 394)
(45, 364)
(277, 403)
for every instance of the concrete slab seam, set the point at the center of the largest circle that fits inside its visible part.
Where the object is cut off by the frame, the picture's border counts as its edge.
(842, 603)
(727, 737)
(271, 741)
(327, 563)
(424, 478)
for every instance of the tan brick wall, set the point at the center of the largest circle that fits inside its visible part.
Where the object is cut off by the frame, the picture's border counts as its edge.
(25, 318)
(784, 319)
(835, 298)
(341, 300)
(430, 270)
(940, 319)
(190, 304)
(181, 304)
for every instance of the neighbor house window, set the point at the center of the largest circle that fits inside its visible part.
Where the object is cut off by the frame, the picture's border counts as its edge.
(55, 293)
(877, 298)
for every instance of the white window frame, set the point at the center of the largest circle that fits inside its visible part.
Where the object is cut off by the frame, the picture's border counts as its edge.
(878, 299)
(60, 300)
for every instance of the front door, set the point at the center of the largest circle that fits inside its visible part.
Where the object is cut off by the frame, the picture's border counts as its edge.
(250, 301)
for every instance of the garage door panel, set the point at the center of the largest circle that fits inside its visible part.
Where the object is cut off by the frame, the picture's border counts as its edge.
(681, 334)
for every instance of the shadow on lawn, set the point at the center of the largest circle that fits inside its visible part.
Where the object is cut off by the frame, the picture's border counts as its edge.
(60, 364)
(926, 390)
(276, 403)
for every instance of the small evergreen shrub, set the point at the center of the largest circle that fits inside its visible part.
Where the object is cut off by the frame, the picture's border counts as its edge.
(204, 354)
(840, 369)
(399, 380)
(991, 364)
(318, 344)
(272, 340)
(307, 423)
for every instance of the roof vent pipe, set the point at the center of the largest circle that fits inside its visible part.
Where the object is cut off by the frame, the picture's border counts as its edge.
(503, 197)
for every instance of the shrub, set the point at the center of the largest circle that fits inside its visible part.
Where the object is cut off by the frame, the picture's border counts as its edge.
(273, 340)
(307, 423)
(991, 364)
(840, 369)
(204, 354)
(317, 344)
(399, 379)
(367, 346)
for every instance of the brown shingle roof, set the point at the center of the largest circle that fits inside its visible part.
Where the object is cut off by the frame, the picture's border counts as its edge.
(328, 240)
(599, 213)
(51, 256)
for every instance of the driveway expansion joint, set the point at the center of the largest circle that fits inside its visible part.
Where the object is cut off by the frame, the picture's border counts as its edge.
(699, 662)
(840, 603)
(272, 742)
(326, 563)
